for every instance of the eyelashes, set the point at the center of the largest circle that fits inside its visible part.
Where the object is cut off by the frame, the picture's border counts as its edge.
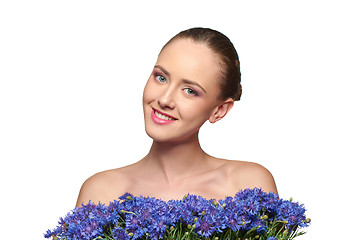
(160, 78)
(188, 90)
(191, 92)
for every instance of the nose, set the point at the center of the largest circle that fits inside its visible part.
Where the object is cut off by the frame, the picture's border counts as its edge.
(166, 100)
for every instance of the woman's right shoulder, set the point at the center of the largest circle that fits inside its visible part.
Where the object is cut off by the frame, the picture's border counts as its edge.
(104, 186)
(102, 179)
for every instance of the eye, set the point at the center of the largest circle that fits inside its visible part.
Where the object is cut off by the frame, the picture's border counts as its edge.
(191, 92)
(160, 78)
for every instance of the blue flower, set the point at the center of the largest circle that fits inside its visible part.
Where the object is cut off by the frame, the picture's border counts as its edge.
(130, 217)
(120, 234)
(205, 226)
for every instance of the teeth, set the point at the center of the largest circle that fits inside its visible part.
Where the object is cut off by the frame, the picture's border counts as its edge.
(159, 115)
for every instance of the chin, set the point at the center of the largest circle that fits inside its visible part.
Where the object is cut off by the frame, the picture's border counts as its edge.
(159, 137)
(164, 136)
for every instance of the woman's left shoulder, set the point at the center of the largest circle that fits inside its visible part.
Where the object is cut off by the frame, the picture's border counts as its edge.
(251, 175)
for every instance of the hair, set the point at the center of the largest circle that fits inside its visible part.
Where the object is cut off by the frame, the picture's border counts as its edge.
(230, 75)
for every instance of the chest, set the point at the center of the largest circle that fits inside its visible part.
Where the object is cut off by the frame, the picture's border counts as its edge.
(207, 186)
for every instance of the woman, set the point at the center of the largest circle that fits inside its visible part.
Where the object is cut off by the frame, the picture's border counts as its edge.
(196, 78)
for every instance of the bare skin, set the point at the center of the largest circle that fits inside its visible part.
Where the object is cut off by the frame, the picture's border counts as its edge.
(183, 87)
(155, 176)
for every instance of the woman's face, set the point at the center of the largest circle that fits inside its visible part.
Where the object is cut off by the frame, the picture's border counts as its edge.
(181, 92)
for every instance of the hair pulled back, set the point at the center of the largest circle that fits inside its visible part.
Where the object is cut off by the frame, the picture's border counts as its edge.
(230, 75)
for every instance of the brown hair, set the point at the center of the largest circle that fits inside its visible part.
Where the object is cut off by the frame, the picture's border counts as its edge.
(229, 60)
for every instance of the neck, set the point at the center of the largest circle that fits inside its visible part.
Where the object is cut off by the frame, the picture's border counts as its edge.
(176, 160)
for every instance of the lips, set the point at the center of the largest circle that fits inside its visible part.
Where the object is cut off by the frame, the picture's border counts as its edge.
(161, 118)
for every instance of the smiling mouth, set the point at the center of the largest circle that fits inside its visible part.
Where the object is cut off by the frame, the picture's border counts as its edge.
(163, 115)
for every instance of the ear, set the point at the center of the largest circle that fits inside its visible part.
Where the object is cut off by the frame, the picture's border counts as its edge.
(221, 110)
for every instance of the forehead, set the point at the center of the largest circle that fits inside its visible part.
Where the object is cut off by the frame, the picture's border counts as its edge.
(184, 58)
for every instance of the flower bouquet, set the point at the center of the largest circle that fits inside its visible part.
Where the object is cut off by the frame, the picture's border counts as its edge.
(250, 214)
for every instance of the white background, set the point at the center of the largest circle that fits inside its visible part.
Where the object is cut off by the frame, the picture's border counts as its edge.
(72, 75)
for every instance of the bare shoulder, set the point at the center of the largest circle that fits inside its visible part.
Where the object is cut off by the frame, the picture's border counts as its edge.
(104, 186)
(251, 175)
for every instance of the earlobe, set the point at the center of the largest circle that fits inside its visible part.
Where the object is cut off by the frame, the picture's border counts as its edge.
(221, 110)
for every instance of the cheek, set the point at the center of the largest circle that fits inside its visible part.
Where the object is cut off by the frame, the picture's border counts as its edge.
(198, 113)
(147, 92)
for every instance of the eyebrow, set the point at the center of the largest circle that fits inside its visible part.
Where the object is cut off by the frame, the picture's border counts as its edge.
(184, 80)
